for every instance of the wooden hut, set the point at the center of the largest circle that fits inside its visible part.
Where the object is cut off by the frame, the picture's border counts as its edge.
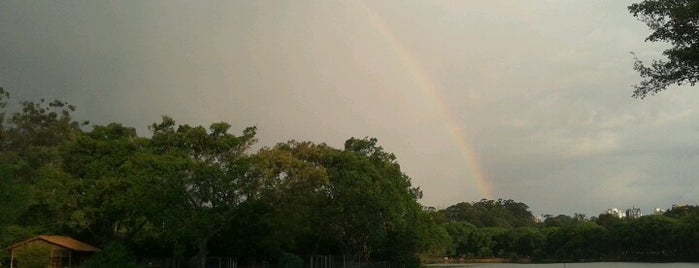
(64, 251)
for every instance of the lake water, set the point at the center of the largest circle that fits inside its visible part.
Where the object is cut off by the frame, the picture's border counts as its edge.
(582, 265)
(579, 265)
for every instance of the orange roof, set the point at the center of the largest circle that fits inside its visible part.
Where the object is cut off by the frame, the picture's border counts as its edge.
(61, 241)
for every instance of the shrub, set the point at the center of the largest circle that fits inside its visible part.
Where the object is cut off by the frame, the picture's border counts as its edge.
(114, 255)
(289, 260)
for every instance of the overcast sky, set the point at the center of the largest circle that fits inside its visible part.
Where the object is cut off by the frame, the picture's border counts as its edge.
(524, 100)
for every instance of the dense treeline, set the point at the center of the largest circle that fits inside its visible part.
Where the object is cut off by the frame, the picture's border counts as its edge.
(190, 191)
(193, 191)
(510, 232)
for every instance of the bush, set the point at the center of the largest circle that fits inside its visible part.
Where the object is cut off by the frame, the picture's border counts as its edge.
(114, 255)
(289, 260)
(538, 255)
(512, 257)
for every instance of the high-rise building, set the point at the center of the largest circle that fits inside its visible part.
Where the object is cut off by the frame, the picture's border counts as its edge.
(616, 212)
(633, 213)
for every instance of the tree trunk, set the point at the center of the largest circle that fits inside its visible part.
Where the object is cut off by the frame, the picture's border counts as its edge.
(201, 255)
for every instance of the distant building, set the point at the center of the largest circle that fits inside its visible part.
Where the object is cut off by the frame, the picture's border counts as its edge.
(658, 211)
(615, 212)
(633, 213)
(539, 219)
(679, 206)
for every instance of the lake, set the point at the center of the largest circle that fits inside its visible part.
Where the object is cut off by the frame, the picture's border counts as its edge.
(581, 265)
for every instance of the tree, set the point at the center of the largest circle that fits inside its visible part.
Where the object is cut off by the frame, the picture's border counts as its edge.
(102, 189)
(288, 200)
(207, 176)
(687, 235)
(309, 199)
(491, 213)
(675, 22)
(113, 255)
(15, 197)
(578, 240)
(682, 211)
(557, 221)
(29, 142)
(31, 137)
(649, 235)
(372, 199)
(484, 241)
(523, 241)
(433, 240)
(460, 233)
(4, 95)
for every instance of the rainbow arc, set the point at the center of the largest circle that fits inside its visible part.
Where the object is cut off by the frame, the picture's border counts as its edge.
(429, 88)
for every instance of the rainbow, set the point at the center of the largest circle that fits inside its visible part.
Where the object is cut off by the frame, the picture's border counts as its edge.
(428, 87)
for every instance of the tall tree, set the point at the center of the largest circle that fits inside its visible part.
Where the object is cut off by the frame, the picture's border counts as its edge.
(29, 145)
(677, 23)
(292, 182)
(460, 233)
(211, 169)
(4, 95)
(491, 213)
(30, 139)
(369, 194)
(103, 184)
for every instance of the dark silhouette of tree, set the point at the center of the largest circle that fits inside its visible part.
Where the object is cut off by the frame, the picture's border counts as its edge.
(677, 23)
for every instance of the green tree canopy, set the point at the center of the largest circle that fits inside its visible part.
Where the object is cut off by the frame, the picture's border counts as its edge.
(491, 213)
(209, 170)
(677, 23)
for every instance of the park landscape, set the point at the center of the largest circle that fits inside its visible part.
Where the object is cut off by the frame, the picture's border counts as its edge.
(195, 191)
(194, 195)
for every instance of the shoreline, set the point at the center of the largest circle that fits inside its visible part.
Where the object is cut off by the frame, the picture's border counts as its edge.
(462, 261)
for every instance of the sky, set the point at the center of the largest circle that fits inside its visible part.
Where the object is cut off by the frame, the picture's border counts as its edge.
(527, 100)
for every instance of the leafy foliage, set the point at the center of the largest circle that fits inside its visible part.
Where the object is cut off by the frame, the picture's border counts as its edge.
(114, 255)
(677, 23)
(491, 213)
(288, 260)
(209, 171)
